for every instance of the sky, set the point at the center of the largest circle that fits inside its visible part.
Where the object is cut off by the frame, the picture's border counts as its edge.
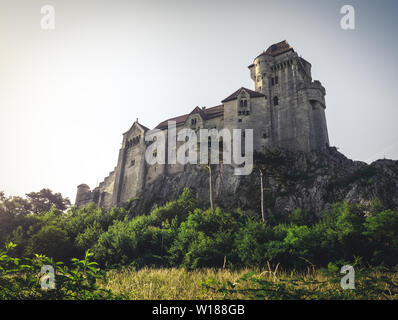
(68, 94)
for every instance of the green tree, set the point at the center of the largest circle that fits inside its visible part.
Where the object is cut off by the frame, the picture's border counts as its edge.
(205, 239)
(51, 241)
(45, 199)
(381, 230)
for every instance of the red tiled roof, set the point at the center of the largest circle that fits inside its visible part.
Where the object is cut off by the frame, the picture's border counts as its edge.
(200, 111)
(205, 113)
(178, 120)
(214, 112)
(277, 49)
(252, 94)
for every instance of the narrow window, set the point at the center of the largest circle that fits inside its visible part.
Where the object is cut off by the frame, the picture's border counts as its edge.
(276, 80)
(272, 81)
(276, 101)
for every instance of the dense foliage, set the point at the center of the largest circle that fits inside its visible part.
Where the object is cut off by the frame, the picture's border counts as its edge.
(181, 234)
(25, 278)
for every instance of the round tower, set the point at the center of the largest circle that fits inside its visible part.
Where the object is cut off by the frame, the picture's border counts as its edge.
(83, 190)
(263, 69)
(261, 73)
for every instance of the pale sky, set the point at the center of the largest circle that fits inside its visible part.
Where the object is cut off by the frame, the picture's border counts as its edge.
(68, 94)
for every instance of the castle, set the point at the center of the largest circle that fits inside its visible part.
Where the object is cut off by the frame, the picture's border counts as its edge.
(286, 110)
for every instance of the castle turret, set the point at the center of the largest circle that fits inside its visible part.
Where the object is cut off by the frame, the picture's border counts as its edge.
(130, 174)
(295, 102)
(83, 195)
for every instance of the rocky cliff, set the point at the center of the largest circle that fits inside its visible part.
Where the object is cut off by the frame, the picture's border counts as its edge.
(309, 181)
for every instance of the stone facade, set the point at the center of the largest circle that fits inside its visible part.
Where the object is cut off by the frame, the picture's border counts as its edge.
(286, 110)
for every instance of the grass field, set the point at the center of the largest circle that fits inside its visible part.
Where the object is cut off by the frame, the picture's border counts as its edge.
(179, 284)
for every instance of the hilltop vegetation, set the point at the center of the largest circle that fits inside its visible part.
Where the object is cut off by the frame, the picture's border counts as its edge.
(182, 234)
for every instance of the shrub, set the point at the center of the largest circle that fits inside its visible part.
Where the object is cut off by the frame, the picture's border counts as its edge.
(205, 239)
(20, 278)
(381, 230)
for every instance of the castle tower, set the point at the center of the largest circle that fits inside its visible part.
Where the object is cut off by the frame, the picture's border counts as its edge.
(247, 109)
(83, 195)
(296, 103)
(130, 173)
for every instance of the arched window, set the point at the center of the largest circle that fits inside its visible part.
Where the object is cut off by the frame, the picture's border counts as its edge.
(276, 101)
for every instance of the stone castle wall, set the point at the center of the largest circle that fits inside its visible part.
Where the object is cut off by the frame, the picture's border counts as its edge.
(286, 110)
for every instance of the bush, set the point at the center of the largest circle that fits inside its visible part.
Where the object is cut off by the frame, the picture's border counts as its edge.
(205, 239)
(20, 279)
(381, 230)
(51, 241)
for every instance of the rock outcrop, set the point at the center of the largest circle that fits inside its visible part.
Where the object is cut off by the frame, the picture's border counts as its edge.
(309, 181)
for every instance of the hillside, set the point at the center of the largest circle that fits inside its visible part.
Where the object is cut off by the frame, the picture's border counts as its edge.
(309, 181)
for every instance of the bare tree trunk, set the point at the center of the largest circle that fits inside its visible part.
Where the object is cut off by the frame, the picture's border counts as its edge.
(211, 188)
(262, 195)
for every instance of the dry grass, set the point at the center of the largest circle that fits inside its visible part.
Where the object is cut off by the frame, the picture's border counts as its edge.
(166, 284)
(179, 284)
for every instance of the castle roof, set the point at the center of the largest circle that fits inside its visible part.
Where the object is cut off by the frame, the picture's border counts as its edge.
(276, 49)
(199, 111)
(207, 113)
(252, 94)
(139, 125)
